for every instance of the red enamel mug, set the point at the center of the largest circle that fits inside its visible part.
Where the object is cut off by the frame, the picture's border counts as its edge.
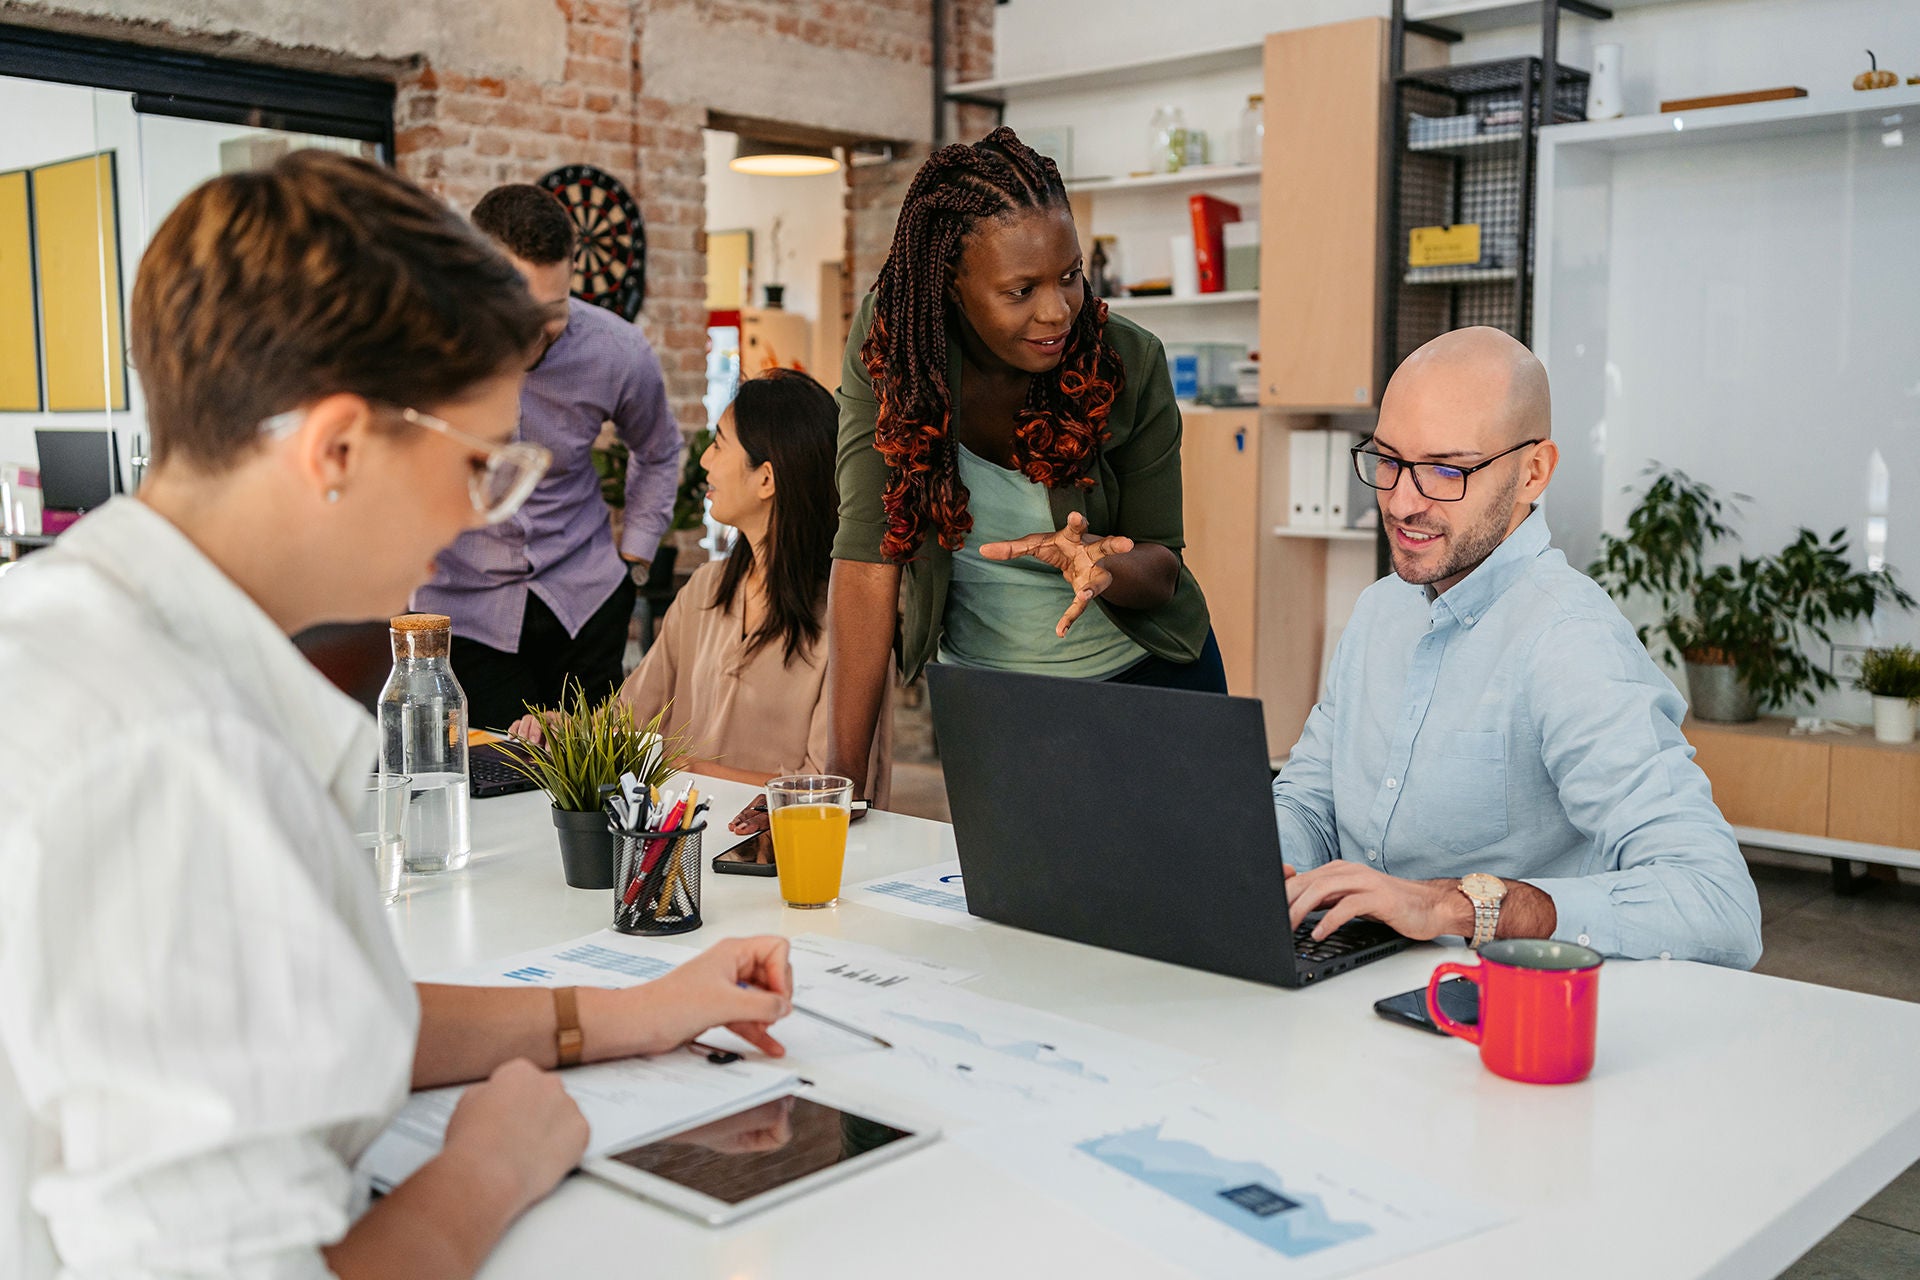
(1539, 1006)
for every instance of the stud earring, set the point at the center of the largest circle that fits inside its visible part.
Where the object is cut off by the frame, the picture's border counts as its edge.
(333, 495)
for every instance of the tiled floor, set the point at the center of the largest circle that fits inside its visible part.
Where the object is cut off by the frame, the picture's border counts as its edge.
(1866, 942)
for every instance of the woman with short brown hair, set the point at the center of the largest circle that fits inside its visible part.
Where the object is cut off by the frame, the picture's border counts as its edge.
(203, 1016)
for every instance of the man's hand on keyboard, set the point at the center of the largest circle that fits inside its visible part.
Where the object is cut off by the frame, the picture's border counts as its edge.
(1345, 890)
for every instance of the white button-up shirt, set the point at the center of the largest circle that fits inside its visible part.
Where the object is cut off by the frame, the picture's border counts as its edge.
(203, 1016)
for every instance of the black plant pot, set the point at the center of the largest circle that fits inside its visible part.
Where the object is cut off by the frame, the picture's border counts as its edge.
(776, 296)
(586, 848)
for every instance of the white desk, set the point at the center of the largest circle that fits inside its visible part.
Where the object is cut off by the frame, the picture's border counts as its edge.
(1731, 1122)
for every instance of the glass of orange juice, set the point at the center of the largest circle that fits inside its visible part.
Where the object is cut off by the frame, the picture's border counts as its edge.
(809, 814)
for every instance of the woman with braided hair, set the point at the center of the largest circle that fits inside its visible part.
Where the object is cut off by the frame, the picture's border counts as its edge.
(1009, 466)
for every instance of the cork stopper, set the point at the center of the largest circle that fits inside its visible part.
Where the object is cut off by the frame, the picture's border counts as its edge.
(420, 635)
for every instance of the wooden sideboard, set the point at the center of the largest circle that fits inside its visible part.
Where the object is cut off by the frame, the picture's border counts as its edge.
(1847, 797)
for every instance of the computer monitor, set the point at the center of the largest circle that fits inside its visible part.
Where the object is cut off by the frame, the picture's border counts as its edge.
(79, 470)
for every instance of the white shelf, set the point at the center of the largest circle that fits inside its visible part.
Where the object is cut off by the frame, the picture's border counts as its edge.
(1459, 275)
(1325, 535)
(1872, 112)
(1472, 142)
(1220, 58)
(1196, 177)
(1239, 297)
(1490, 15)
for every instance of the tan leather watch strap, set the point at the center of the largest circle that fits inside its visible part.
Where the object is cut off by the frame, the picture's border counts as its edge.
(568, 1042)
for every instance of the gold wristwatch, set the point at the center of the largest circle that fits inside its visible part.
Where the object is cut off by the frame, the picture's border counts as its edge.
(1486, 893)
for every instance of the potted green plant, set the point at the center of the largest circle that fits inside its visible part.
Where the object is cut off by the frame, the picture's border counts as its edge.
(1892, 676)
(1741, 629)
(584, 747)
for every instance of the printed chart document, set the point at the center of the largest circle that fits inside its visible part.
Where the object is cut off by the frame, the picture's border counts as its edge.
(603, 959)
(1221, 1189)
(925, 893)
(625, 1102)
(976, 1060)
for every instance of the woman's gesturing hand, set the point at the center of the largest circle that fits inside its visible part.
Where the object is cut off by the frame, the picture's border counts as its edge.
(1075, 553)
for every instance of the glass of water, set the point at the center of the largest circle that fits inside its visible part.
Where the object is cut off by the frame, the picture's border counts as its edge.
(379, 826)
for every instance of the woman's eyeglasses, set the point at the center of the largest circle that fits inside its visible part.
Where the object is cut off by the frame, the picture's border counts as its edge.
(497, 488)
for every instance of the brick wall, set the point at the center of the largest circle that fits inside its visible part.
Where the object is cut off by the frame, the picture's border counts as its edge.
(461, 134)
(518, 87)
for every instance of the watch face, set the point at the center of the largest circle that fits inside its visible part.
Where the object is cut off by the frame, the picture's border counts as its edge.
(1483, 888)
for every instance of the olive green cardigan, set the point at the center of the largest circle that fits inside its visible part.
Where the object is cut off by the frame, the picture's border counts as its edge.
(1136, 492)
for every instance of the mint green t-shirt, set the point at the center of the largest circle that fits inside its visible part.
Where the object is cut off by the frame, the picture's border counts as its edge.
(1001, 613)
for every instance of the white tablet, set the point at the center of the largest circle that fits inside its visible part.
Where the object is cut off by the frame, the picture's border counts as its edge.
(727, 1168)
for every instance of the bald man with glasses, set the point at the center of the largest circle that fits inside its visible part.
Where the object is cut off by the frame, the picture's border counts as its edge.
(1496, 755)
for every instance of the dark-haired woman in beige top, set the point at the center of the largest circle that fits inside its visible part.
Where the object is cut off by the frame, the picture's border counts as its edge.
(740, 661)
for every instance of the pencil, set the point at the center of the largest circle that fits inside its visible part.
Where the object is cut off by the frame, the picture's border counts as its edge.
(847, 1027)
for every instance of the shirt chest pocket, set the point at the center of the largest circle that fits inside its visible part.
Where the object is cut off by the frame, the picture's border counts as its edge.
(1460, 803)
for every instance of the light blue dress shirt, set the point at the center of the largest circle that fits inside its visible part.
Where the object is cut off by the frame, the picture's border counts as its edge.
(1515, 725)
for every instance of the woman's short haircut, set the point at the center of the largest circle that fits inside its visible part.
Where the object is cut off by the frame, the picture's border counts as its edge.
(527, 222)
(266, 290)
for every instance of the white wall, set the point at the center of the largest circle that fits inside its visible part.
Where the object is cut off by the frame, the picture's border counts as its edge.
(1673, 48)
(813, 227)
(1700, 47)
(1743, 311)
(158, 160)
(52, 122)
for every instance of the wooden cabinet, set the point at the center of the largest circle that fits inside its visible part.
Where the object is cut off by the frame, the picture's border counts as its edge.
(1220, 455)
(1825, 787)
(1762, 776)
(772, 338)
(1322, 213)
(1267, 594)
(1874, 794)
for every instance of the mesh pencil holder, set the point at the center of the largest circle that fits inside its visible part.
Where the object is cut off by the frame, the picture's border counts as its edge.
(656, 881)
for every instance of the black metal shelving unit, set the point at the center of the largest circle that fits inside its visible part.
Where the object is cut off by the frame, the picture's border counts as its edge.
(1463, 151)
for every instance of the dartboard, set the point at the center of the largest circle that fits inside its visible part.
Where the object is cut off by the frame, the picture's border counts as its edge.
(610, 259)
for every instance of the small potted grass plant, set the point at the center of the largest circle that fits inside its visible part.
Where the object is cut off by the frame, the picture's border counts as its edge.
(1892, 676)
(584, 747)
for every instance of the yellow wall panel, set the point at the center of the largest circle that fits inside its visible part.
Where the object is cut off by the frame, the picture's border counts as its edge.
(19, 326)
(74, 213)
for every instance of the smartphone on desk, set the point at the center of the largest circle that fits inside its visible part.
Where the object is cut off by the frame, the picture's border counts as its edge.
(1459, 1000)
(751, 857)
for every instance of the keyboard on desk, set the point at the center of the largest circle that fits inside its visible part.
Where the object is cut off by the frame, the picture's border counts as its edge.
(489, 773)
(1353, 943)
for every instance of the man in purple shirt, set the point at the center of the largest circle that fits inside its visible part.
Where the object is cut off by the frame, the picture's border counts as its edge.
(546, 595)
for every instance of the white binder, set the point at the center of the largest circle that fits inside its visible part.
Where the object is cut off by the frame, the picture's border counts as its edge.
(1307, 479)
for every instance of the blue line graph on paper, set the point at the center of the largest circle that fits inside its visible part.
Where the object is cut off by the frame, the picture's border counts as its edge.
(1247, 1196)
(920, 895)
(1037, 1052)
(594, 956)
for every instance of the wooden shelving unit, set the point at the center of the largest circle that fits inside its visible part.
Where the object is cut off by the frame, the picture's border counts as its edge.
(1198, 176)
(1237, 298)
(1114, 75)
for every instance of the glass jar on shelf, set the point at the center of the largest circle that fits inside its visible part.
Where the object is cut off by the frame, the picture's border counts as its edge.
(1167, 140)
(1253, 131)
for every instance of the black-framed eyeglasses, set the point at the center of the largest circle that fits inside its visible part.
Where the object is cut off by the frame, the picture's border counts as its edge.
(1436, 481)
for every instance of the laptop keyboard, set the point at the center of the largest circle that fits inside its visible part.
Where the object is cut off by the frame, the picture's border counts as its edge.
(489, 775)
(1355, 935)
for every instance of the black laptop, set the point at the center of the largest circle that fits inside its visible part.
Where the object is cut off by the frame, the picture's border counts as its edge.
(489, 774)
(1127, 817)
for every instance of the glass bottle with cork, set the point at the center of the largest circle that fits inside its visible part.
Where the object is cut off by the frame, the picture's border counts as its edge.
(423, 734)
